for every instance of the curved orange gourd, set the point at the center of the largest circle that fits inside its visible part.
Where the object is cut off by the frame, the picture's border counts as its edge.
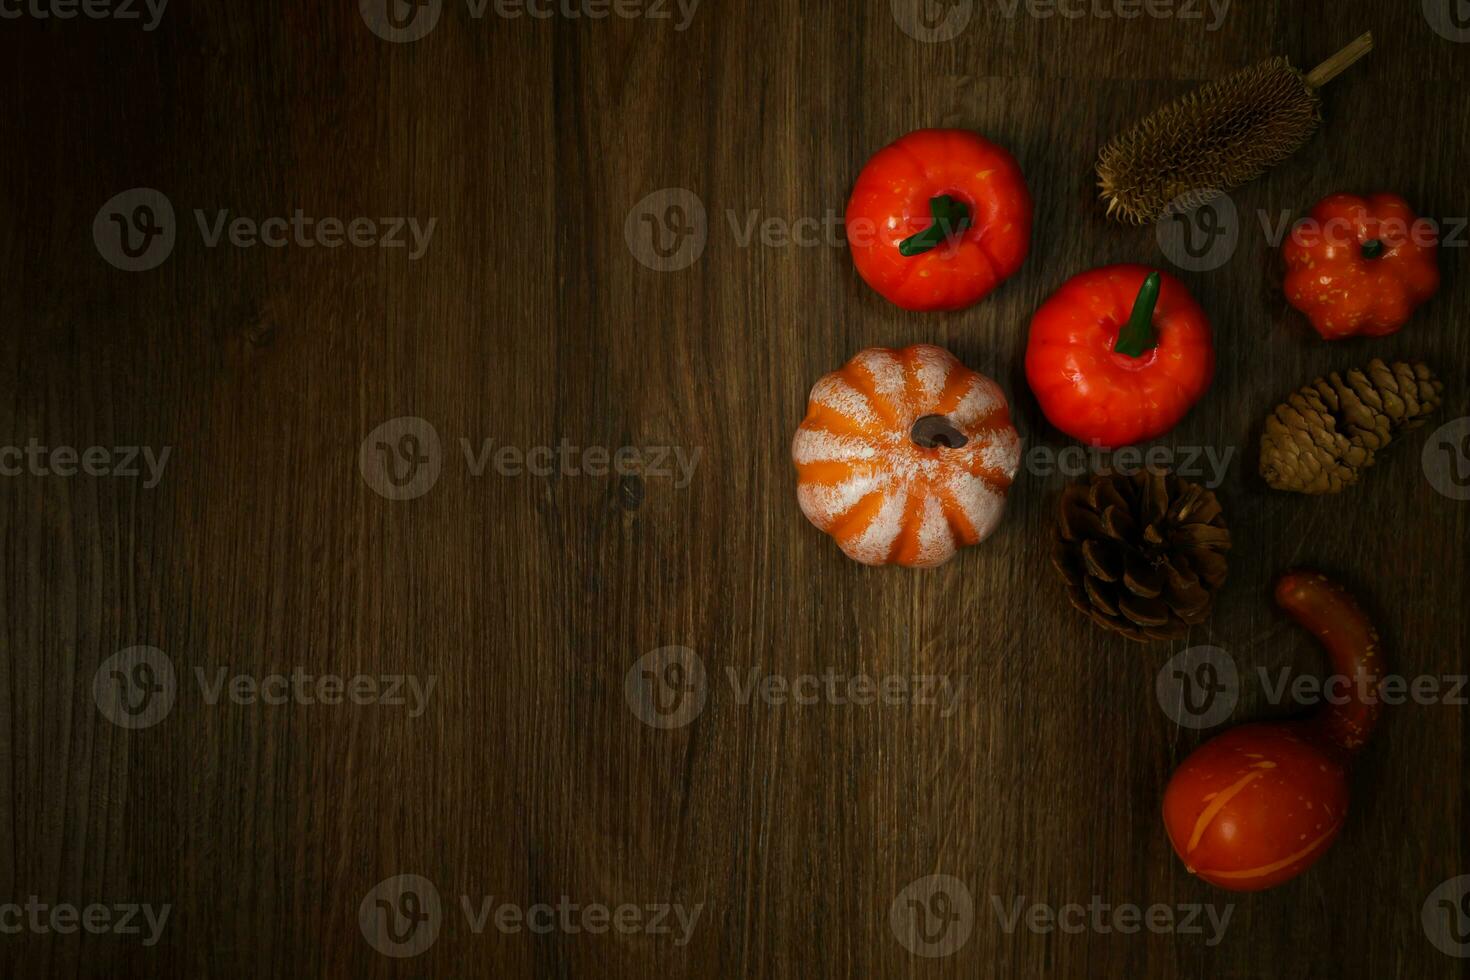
(905, 455)
(1261, 803)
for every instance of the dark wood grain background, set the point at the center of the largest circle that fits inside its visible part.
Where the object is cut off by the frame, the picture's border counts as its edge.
(531, 320)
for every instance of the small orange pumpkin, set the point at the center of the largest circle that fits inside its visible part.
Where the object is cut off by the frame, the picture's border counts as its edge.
(905, 455)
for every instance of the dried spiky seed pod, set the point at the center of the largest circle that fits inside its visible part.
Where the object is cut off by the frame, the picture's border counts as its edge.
(1322, 438)
(1215, 138)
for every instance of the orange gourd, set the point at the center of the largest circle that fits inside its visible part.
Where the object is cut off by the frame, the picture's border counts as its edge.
(1261, 803)
(905, 455)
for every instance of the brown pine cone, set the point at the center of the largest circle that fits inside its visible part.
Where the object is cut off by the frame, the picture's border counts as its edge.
(1142, 554)
(1321, 438)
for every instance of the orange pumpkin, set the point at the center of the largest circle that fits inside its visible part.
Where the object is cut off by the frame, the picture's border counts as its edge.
(905, 455)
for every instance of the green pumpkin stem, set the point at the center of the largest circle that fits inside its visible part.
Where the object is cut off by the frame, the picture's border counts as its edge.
(950, 218)
(1137, 334)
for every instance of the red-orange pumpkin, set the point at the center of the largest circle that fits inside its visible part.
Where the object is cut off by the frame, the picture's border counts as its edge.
(905, 455)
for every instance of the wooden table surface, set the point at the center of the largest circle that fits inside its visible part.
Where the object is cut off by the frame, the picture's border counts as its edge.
(568, 295)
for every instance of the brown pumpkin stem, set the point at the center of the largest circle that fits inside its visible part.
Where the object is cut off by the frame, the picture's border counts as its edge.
(937, 432)
(1342, 61)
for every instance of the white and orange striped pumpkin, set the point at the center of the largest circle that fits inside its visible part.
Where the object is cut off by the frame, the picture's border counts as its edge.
(905, 456)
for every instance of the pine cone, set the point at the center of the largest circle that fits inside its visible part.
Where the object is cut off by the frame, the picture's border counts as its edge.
(1321, 438)
(1142, 554)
